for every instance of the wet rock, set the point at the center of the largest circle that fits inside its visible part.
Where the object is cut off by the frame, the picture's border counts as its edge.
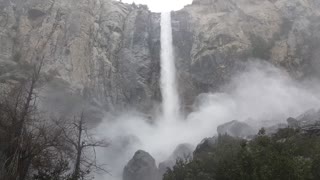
(293, 123)
(310, 117)
(312, 130)
(204, 147)
(104, 51)
(35, 13)
(212, 37)
(236, 129)
(182, 152)
(141, 167)
(275, 128)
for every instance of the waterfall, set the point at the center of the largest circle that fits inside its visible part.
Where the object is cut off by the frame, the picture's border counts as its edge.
(170, 97)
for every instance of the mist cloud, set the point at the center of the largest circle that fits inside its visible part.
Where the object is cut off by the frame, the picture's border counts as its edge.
(261, 93)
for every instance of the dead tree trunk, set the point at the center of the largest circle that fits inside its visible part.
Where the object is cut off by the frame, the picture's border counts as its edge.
(77, 136)
(18, 110)
(79, 147)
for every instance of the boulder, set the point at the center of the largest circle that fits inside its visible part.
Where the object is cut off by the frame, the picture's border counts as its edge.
(236, 129)
(141, 167)
(293, 123)
(204, 147)
(183, 152)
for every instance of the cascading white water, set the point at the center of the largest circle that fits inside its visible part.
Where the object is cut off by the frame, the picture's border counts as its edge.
(170, 97)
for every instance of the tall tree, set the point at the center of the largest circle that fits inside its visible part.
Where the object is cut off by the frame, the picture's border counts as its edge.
(18, 111)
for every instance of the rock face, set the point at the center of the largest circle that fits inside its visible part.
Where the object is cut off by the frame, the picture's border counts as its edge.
(102, 50)
(212, 37)
(236, 129)
(108, 52)
(141, 167)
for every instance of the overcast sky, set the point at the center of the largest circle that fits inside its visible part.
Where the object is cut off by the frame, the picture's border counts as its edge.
(161, 5)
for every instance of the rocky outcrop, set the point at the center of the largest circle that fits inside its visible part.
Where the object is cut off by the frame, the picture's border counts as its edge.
(182, 152)
(309, 118)
(293, 123)
(204, 147)
(308, 122)
(312, 130)
(270, 130)
(141, 167)
(236, 129)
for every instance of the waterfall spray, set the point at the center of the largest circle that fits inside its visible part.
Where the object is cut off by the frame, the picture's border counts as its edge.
(170, 97)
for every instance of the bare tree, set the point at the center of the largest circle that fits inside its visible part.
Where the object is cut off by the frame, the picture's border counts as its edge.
(24, 133)
(31, 145)
(17, 110)
(83, 146)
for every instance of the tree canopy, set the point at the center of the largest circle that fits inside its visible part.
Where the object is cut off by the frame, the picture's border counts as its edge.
(287, 155)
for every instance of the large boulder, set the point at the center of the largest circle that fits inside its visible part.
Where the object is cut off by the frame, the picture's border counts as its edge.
(293, 123)
(236, 129)
(204, 147)
(141, 167)
(182, 152)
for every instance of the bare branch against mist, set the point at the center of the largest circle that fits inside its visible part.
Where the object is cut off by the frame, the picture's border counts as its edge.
(82, 145)
(20, 139)
(41, 148)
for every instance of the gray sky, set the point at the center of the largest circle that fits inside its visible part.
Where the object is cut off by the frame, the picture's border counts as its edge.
(161, 5)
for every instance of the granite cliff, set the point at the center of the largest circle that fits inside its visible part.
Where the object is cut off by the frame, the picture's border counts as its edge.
(213, 37)
(107, 52)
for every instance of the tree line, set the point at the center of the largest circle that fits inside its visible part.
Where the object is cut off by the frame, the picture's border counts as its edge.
(289, 154)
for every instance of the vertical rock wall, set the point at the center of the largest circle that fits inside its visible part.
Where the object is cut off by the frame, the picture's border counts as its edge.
(102, 50)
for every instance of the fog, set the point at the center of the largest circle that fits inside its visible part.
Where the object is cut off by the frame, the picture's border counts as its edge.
(261, 94)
